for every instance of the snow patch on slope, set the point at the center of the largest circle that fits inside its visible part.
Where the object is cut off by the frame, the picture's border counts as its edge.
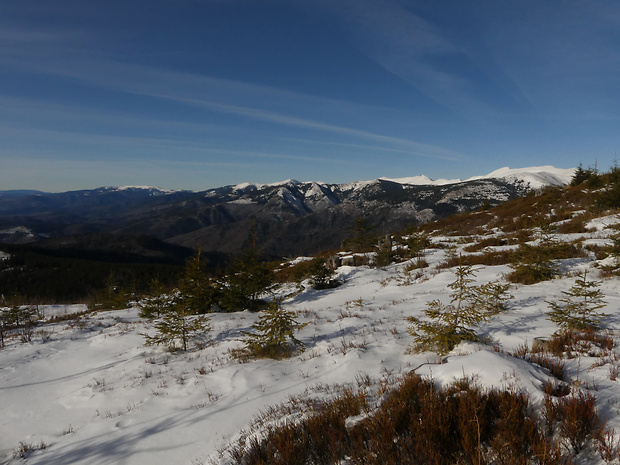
(422, 180)
(535, 176)
(153, 190)
(256, 186)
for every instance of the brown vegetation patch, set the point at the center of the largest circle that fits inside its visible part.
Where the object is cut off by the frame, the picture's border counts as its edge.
(422, 424)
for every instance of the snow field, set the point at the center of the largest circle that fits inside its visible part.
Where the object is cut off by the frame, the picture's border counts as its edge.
(93, 393)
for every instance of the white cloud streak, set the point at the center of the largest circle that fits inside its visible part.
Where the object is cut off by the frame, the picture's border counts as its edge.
(266, 104)
(547, 58)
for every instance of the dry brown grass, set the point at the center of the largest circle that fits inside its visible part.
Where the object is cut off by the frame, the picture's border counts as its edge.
(422, 424)
(487, 258)
(570, 342)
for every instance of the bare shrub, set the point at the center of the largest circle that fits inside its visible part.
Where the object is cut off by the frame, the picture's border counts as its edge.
(25, 449)
(422, 424)
(555, 366)
(568, 342)
(579, 420)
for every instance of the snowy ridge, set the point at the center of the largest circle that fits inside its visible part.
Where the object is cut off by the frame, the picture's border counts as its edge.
(536, 177)
(423, 180)
(152, 189)
(255, 186)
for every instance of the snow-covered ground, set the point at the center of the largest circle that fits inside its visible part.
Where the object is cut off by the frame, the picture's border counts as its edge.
(93, 393)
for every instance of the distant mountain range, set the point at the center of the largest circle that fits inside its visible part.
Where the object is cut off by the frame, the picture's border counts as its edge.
(287, 218)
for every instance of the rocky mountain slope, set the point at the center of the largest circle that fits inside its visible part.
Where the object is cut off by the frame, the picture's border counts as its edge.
(288, 218)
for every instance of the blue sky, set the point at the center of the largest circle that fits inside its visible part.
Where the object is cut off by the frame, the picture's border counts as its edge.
(194, 94)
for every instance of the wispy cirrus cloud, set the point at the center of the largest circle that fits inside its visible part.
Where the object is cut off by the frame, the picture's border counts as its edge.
(100, 131)
(488, 59)
(415, 148)
(564, 58)
(260, 103)
(417, 51)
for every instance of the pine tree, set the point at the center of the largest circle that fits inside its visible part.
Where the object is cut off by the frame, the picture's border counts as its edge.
(581, 175)
(4, 325)
(417, 241)
(321, 276)
(446, 326)
(247, 280)
(362, 240)
(579, 309)
(178, 324)
(384, 254)
(17, 317)
(115, 296)
(274, 332)
(158, 303)
(196, 291)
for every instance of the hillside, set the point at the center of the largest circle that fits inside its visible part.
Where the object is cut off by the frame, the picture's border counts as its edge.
(87, 390)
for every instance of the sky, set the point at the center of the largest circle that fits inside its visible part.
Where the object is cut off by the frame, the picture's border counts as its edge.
(196, 94)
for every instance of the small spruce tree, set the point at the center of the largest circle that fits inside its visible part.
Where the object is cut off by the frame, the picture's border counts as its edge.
(4, 325)
(20, 318)
(417, 241)
(446, 326)
(196, 291)
(581, 175)
(178, 325)
(384, 254)
(274, 332)
(362, 239)
(158, 302)
(321, 275)
(579, 308)
(114, 296)
(247, 280)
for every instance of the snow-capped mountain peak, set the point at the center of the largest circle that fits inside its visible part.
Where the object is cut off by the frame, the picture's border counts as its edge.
(536, 176)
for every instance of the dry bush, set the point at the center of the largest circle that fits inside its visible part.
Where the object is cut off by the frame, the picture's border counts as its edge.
(422, 424)
(600, 252)
(538, 356)
(461, 224)
(320, 438)
(487, 258)
(495, 241)
(555, 202)
(555, 388)
(555, 367)
(568, 342)
(578, 419)
(25, 449)
(574, 226)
